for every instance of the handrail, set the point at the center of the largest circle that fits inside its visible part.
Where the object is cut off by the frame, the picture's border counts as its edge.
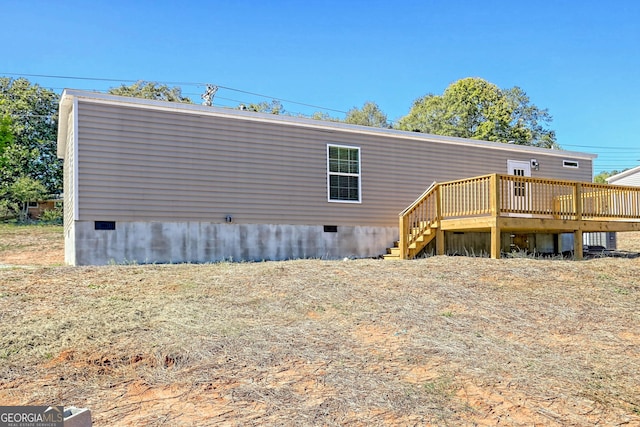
(419, 199)
(416, 218)
(508, 195)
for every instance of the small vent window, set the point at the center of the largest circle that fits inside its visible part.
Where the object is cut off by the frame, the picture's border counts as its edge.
(105, 225)
(570, 164)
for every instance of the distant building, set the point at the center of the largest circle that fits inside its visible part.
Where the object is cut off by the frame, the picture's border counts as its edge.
(628, 177)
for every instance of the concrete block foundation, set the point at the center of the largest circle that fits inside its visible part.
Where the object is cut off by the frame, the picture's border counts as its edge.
(91, 243)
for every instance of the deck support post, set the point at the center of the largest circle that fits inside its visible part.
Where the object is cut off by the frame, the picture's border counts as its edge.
(577, 244)
(439, 231)
(402, 238)
(439, 241)
(577, 234)
(495, 242)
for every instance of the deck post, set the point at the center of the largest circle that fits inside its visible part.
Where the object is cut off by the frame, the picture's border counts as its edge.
(439, 231)
(495, 241)
(495, 212)
(402, 239)
(439, 241)
(577, 234)
(577, 244)
(495, 195)
(577, 201)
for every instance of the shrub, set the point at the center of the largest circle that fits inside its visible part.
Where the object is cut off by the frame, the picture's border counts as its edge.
(52, 216)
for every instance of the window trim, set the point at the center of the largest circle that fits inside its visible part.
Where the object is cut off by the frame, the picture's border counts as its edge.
(358, 175)
(573, 164)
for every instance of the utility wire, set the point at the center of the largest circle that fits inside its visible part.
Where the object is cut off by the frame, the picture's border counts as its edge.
(599, 147)
(175, 83)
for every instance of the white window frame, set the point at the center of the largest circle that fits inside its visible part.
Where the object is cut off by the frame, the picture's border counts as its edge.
(358, 175)
(573, 164)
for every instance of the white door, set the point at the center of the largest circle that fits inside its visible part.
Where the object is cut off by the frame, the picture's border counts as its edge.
(520, 194)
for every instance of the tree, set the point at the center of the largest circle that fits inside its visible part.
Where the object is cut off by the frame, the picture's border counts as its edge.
(6, 137)
(29, 134)
(273, 107)
(14, 158)
(525, 125)
(369, 115)
(320, 115)
(151, 90)
(24, 190)
(601, 178)
(475, 108)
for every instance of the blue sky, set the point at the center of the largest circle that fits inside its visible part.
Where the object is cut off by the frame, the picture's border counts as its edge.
(579, 59)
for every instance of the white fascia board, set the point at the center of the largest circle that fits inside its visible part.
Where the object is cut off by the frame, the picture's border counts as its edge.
(66, 106)
(314, 124)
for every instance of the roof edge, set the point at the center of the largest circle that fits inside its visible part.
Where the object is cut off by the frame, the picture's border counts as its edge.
(623, 174)
(65, 107)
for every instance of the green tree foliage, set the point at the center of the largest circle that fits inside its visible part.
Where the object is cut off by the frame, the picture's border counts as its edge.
(273, 107)
(28, 132)
(151, 90)
(24, 190)
(6, 137)
(601, 178)
(475, 108)
(369, 115)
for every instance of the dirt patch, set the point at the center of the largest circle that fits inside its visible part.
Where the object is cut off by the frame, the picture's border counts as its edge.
(437, 341)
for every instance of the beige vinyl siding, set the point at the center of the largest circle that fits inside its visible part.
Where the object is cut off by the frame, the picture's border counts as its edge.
(143, 164)
(68, 177)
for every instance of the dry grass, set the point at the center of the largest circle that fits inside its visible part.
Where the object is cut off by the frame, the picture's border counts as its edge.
(31, 245)
(438, 341)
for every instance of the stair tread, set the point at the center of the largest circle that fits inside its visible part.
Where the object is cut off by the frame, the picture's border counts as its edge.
(420, 239)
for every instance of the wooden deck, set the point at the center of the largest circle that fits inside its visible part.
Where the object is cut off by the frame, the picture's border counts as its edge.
(504, 203)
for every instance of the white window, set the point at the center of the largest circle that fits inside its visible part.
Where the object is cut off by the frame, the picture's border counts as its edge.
(570, 164)
(343, 173)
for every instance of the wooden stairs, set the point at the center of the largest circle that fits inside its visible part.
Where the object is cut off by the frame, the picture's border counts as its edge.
(421, 235)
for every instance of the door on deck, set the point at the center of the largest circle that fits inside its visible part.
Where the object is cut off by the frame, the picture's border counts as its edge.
(519, 192)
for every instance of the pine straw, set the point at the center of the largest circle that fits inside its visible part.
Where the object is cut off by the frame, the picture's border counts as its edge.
(442, 341)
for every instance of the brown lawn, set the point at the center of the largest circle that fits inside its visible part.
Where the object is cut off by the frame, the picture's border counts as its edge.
(438, 341)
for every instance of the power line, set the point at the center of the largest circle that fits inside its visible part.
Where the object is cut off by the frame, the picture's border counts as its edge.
(595, 147)
(175, 83)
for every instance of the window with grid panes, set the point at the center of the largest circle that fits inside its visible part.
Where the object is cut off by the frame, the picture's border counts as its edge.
(343, 169)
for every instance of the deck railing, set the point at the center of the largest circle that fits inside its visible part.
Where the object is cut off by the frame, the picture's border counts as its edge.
(602, 201)
(417, 217)
(466, 197)
(507, 195)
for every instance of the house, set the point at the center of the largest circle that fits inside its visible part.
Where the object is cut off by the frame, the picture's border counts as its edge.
(150, 181)
(37, 208)
(628, 177)
(608, 240)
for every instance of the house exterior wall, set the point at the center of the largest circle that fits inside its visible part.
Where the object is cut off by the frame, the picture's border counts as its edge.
(36, 212)
(138, 162)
